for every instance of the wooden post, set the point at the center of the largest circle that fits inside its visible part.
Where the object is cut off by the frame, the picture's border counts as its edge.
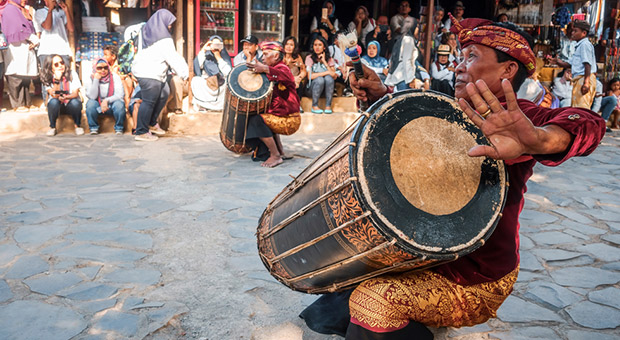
(191, 16)
(71, 35)
(429, 34)
(295, 19)
(178, 27)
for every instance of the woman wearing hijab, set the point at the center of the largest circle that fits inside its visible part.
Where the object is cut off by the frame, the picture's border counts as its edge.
(105, 95)
(362, 24)
(402, 62)
(156, 53)
(211, 67)
(374, 61)
(62, 87)
(20, 59)
(327, 24)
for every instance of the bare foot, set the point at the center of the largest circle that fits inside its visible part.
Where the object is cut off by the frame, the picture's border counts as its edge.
(272, 161)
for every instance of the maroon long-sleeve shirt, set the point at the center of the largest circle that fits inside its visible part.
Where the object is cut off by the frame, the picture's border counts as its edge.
(500, 254)
(284, 100)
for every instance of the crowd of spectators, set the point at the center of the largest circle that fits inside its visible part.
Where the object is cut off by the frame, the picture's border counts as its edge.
(39, 52)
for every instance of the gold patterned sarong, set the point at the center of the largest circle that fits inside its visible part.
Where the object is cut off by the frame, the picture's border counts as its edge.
(282, 125)
(583, 100)
(387, 303)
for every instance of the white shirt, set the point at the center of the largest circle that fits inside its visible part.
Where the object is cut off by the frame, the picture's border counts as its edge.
(54, 41)
(562, 88)
(405, 71)
(370, 26)
(442, 72)
(241, 59)
(20, 60)
(75, 84)
(153, 62)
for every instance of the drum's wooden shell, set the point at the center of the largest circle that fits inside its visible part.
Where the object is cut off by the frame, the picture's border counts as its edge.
(320, 235)
(238, 108)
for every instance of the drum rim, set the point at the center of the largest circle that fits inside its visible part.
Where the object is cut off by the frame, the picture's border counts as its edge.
(232, 90)
(385, 226)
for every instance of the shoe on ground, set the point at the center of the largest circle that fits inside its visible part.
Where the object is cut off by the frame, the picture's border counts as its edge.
(146, 137)
(609, 130)
(157, 131)
(94, 132)
(79, 131)
(327, 111)
(51, 132)
(119, 133)
(316, 111)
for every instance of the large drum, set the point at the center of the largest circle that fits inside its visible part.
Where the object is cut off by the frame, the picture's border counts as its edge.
(247, 93)
(396, 191)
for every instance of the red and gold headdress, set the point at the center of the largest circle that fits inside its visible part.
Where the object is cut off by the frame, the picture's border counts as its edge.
(271, 45)
(480, 31)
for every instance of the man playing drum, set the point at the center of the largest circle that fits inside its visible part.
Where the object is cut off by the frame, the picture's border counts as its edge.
(283, 116)
(469, 290)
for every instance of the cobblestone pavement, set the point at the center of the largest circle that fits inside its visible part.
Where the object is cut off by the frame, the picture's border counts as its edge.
(105, 238)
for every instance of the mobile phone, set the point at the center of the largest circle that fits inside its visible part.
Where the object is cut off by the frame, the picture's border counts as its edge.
(383, 28)
(324, 13)
(216, 45)
(61, 92)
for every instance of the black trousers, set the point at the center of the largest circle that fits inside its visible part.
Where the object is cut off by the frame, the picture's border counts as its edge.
(19, 90)
(154, 97)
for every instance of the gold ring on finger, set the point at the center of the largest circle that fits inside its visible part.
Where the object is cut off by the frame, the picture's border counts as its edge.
(486, 113)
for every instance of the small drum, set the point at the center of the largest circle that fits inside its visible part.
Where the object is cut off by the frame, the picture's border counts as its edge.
(395, 192)
(247, 93)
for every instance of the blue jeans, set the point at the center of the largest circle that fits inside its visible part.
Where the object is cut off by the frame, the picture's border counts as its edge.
(318, 85)
(402, 86)
(608, 104)
(117, 109)
(73, 108)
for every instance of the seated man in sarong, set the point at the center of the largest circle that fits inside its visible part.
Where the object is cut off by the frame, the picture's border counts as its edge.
(282, 117)
(469, 291)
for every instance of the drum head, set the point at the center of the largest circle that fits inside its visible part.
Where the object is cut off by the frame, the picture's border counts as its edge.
(414, 173)
(248, 85)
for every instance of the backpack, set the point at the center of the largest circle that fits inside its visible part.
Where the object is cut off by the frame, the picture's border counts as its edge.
(129, 48)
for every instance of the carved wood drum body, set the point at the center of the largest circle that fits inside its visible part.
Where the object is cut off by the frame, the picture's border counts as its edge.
(395, 192)
(247, 93)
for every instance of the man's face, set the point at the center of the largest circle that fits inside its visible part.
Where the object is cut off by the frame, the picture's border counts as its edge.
(404, 8)
(479, 62)
(578, 34)
(382, 20)
(271, 57)
(438, 15)
(459, 12)
(249, 47)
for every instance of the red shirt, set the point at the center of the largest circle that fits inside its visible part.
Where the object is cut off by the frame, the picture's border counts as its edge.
(500, 254)
(284, 100)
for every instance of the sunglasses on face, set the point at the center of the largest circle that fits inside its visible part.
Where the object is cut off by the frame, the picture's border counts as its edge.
(58, 63)
(99, 68)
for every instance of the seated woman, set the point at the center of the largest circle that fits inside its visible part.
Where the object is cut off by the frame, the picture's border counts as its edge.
(211, 67)
(293, 60)
(362, 24)
(374, 61)
(610, 105)
(105, 96)
(322, 73)
(62, 87)
(563, 87)
(326, 25)
(264, 130)
(442, 71)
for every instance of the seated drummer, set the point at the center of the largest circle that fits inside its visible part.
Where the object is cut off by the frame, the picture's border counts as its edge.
(468, 291)
(282, 117)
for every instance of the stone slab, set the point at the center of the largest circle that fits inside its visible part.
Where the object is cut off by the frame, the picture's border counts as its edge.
(8, 252)
(584, 277)
(52, 283)
(93, 307)
(592, 315)
(123, 324)
(89, 291)
(35, 320)
(602, 251)
(551, 294)
(589, 335)
(609, 296)
(526, 333)
(5, 291)
(515, 309)
(117, 237)
(101, 253)
(139, 276)
(27, 266)
(34, 236)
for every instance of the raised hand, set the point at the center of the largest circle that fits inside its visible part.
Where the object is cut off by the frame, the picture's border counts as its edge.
(370, 88)
(509, 131)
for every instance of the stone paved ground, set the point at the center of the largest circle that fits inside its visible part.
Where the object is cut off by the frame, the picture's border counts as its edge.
(105, 238)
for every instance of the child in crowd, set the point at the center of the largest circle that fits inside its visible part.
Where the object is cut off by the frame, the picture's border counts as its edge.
(442, 71)
(614, 113)
(563, 87)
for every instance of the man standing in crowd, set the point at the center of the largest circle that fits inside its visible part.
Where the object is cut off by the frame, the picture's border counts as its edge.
(382, 34)
(458, 13)
(583, 66)
(54, 21)
(250, 51)
(397, 21)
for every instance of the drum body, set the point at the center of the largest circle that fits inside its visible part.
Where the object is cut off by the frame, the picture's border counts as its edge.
(247, 93)
(395, 192)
